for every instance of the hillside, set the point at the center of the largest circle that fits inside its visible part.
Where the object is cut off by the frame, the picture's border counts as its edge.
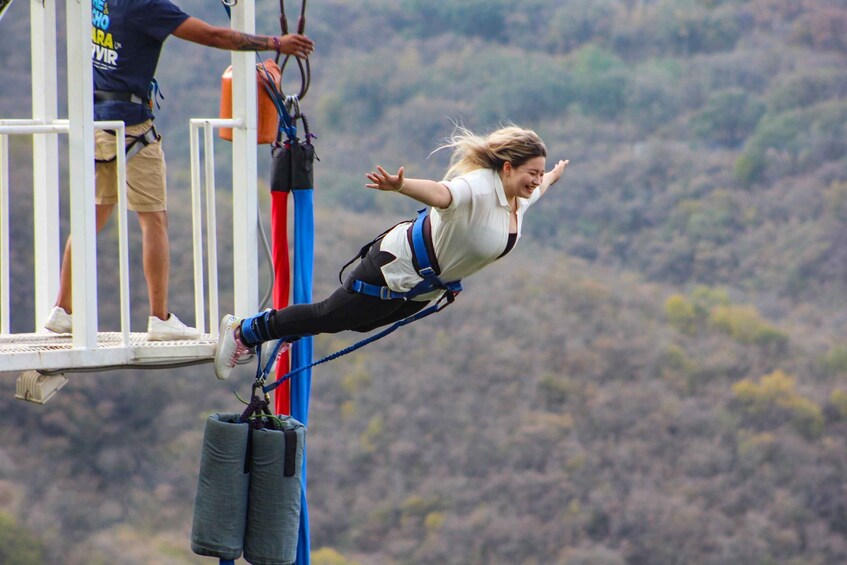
(656, 375)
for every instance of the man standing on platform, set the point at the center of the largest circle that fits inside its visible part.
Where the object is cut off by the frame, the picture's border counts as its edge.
(127, 38)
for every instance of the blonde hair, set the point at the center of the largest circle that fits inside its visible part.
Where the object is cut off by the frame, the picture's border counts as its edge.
(509, 144)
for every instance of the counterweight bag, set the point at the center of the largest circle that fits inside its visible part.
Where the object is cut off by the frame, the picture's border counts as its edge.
(273, 516)
(220, 508)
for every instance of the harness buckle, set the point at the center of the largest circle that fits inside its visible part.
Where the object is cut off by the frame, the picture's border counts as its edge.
(384, 293)
(427, 272)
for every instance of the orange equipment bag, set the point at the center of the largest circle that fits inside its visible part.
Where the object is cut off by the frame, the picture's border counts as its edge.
(267, 122)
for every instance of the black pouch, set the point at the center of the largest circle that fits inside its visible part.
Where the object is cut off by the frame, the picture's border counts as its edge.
(292, 166)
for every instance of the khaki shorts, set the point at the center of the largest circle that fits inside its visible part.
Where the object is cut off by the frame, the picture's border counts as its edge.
(145, 172)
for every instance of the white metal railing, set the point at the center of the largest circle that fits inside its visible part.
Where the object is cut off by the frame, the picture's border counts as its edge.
(45, 127)
(208, 126)
(203, 187)
(36, 127)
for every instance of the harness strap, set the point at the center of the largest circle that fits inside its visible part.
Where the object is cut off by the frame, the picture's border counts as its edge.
(104, 96)
(364, 251)
(420, 253)
(289, 466)
(423, 287)
(425, 265)
(446, 299)
(138, 143)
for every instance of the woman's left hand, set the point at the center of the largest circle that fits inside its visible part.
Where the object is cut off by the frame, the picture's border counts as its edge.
(556, 172)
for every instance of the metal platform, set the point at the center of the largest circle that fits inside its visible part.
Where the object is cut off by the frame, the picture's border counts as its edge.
(50, 352)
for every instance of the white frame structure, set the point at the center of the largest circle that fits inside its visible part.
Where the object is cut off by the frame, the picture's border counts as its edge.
(86, 348)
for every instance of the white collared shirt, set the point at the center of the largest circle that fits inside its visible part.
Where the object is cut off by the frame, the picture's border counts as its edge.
(469, 234)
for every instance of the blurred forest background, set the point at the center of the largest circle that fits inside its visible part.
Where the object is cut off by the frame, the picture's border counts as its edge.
(656, 375)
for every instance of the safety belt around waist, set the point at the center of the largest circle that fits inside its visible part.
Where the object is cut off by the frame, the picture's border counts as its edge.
(425, 266)
(104, 96)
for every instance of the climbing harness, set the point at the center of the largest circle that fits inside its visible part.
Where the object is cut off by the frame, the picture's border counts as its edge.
(154, 94)
(426, 267)
(138, 143)
(424, 263)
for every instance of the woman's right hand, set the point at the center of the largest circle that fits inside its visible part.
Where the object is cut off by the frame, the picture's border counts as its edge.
(382, 180)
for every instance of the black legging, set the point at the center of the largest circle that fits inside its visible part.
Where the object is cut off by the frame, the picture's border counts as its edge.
(345, 309)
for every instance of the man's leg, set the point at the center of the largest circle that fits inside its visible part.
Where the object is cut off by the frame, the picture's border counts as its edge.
(65, 298)
(156, 260)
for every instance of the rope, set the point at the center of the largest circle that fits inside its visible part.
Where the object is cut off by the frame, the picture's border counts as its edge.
(437, 307)
(303, 65)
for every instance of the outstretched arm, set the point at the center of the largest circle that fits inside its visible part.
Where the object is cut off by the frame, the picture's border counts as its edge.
(554, 175)
(198, 31)
(429, 192)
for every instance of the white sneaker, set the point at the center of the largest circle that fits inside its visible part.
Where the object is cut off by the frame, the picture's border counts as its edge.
(59, 321)
(268, 348)
(230, 348)
(170, 329)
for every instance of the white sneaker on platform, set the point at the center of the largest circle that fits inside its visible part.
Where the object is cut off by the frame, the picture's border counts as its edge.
(59, 321)
(230, 348)
(170, 329)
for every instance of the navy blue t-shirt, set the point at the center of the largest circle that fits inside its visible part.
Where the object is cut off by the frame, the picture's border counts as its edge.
(126, 40)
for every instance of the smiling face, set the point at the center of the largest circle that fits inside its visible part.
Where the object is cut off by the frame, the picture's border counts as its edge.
(523, 179)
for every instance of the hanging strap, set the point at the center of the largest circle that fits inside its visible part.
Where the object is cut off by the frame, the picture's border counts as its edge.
(289, 466)
(302, 64)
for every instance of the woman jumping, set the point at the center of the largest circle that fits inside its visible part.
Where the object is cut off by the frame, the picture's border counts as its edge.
(475, 217)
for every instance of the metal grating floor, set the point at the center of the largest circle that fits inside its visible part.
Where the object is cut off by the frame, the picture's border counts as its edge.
(51, 352)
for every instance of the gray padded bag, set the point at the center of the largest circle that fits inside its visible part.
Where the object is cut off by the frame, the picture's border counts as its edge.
(220, 508)
(273, 514)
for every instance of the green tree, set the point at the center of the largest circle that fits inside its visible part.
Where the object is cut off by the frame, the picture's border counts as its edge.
(745, 324)
(836, 201)
(600, 82)
(481, 18)
(18, 546)
(794, 141)
(838, 398)
(774, 399)
(330, 556)
(681, 314)
(728, 117)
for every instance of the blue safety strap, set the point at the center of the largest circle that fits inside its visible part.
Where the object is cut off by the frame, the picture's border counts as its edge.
(437, 307)
(426, 271)
(286, 122)
(302, 350)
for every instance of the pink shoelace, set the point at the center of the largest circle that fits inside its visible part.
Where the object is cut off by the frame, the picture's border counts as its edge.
(240, 349)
